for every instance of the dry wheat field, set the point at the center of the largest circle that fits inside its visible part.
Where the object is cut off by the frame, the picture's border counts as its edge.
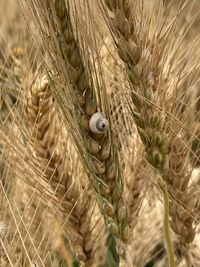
(99, 133)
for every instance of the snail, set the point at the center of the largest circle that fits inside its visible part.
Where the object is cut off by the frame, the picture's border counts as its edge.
(98, 123)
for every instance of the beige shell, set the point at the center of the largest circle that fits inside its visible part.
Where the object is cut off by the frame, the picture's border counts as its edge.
(98, 123)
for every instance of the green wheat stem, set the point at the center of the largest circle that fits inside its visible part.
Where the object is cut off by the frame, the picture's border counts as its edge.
(166, 227)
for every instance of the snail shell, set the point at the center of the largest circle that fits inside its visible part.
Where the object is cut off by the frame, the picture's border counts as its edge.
(98, 123)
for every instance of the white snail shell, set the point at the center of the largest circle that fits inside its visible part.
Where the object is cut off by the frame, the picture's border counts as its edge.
(98, 123)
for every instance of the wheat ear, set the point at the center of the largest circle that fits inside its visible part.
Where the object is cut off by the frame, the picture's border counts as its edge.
(42, 119)
(101, 161)
(150, 122)
(112, 205)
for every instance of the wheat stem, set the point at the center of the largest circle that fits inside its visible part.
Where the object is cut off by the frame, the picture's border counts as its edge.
(166, 226)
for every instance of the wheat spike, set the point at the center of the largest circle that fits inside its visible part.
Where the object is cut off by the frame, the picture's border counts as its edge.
(158, 140)
(51, 155)
(101, 155)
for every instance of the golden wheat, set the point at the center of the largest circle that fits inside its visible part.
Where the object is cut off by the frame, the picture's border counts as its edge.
(99, 118)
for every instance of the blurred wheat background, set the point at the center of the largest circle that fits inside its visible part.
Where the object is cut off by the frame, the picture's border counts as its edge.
(99, 135)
